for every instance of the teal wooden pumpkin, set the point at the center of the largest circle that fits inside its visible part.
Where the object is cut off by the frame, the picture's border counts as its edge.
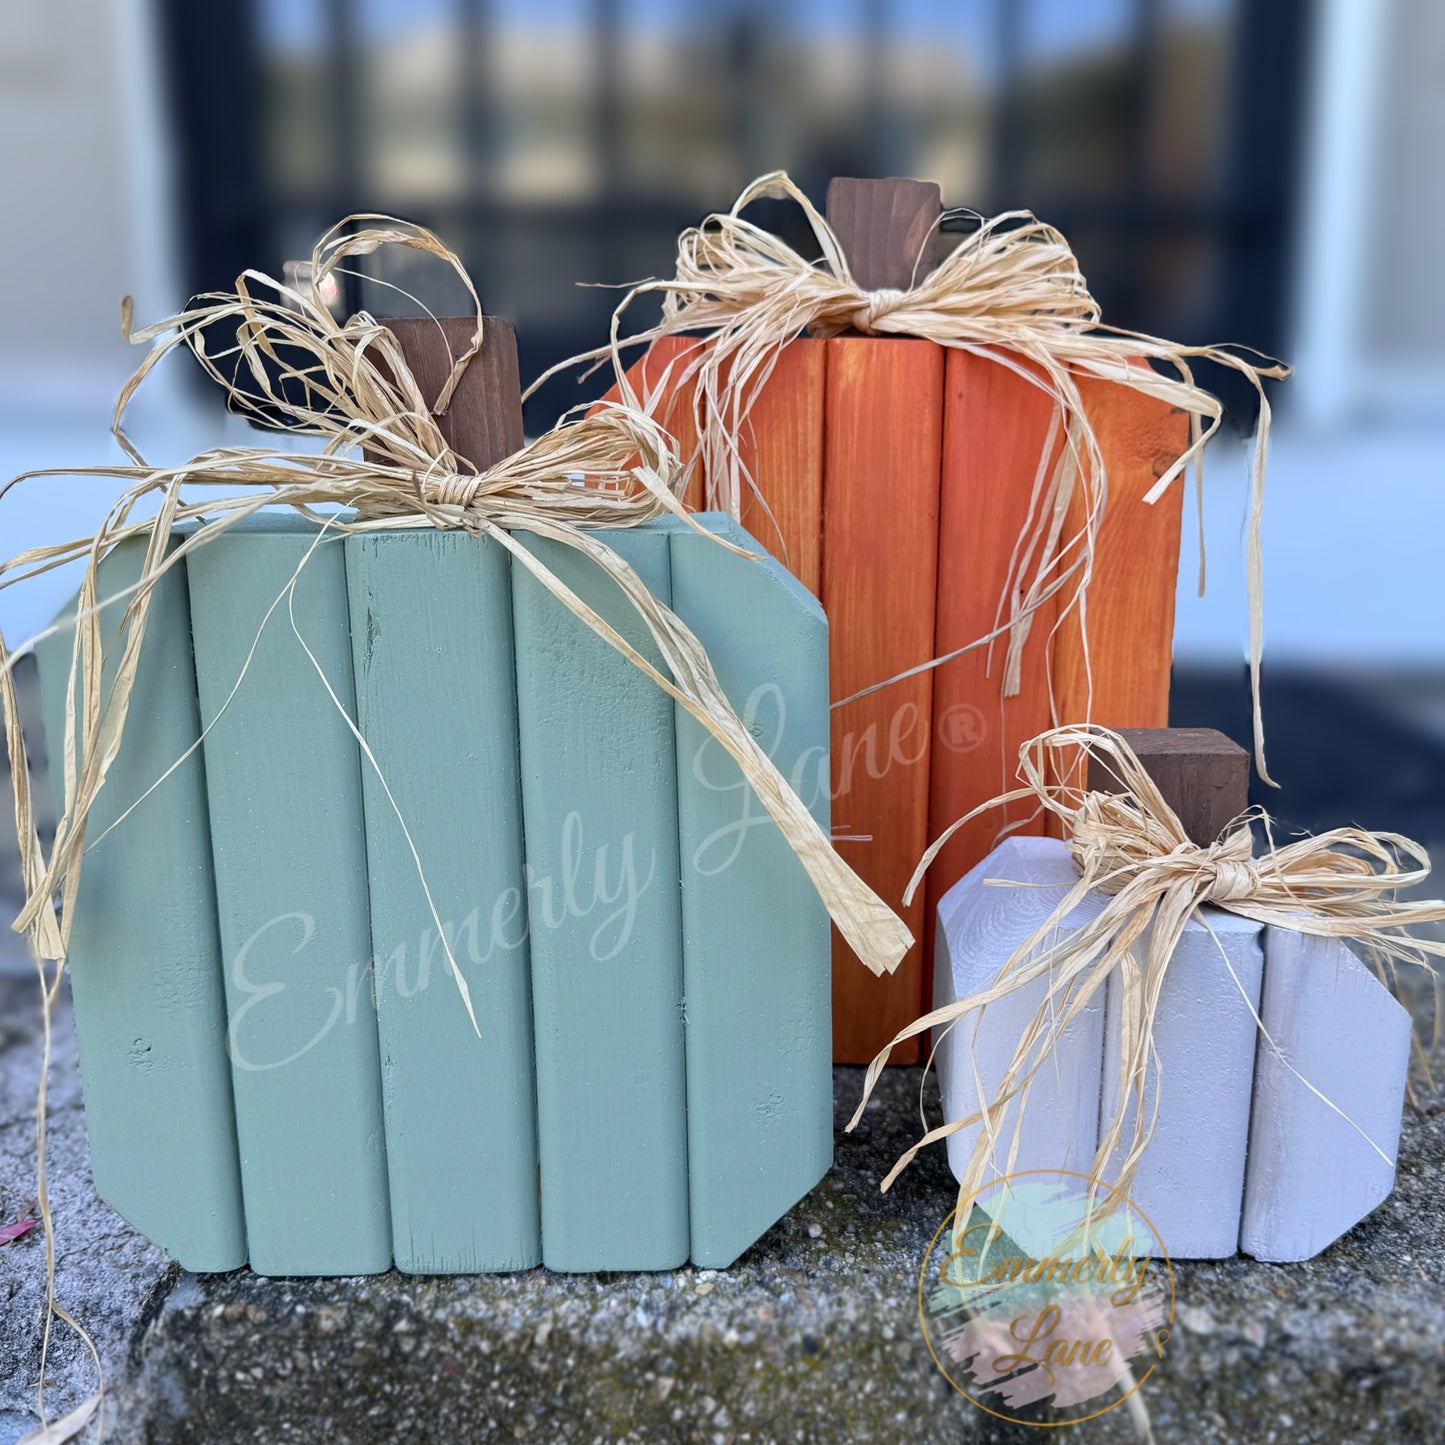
(278, 1066)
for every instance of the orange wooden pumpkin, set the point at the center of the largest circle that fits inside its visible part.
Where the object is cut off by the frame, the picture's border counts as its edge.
(895, 478)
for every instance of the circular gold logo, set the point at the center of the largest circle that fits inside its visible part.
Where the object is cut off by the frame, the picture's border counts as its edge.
(1046, 1298)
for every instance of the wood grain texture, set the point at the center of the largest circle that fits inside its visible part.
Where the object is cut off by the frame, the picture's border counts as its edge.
(994, 425)
(431, 627)
(483, 423)
(656, 377)
(782, 447)
(599, 793)
(1136, 568)
(284, 788)
(145, 958)
(1190, 1182)
(884, 409)
(756, 937)
(886, 228)
(1312, 1175)
(980, 925)
(1203, 775)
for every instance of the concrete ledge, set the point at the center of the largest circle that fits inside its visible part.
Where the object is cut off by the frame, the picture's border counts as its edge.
(813, 1336)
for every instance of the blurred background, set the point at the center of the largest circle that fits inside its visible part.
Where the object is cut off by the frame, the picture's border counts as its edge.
(1259, 171)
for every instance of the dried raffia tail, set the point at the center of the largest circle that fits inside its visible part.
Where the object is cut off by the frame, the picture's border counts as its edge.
(1011, 292)
(348, 383)
(1132, 847)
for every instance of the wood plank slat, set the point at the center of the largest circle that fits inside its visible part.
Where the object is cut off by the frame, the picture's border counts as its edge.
(145, 957)
(756, 949)
(283, 778)
(994, 427)
(981, 922)
(431, 626)
(656, 377)
(1136, 568)
(782, 447)
(599, 800)
(1190, 1181)
(1312, 1172)
(884, 427)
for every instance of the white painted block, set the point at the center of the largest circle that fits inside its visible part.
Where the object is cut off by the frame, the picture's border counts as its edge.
(1311, 1174)
(1190, 1182)
(979, 926)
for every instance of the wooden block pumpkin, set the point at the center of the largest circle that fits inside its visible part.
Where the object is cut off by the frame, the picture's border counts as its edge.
(928, 463)
(1272, 1140)
(279, 1067)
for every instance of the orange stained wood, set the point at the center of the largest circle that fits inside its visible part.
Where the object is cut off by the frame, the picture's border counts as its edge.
(995, 426)
(782, 447)
(659, 371)
(1130, 620)
(1136, 568)
(884, 410)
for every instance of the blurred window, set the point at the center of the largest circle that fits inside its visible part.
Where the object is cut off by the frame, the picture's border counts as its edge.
(561, 141)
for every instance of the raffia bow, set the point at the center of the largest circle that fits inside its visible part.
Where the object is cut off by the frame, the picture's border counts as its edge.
(348, 383)
(1011, 292)
(1131, 847)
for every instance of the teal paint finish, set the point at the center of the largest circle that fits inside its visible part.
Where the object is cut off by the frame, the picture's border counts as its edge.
(599, 792)
(431, 623)
(284, 784)
(757, 944)
(145, 961)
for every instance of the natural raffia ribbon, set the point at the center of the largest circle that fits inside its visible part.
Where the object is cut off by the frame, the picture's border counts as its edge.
(1011, 291)
(1132, 847)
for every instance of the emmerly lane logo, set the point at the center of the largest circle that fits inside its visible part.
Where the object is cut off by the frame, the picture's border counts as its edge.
(1047, 1298)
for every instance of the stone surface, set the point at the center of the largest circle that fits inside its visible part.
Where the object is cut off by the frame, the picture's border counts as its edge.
(813, 1336)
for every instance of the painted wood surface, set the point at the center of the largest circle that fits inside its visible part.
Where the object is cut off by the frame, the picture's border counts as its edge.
(431, 628)
(599, 793)
(1136, 568)
(1312, 1173)
(756, 949)
(1244, 1155)
(1190, 1182)
(284, 789)
(145, 959)
(994, 425)
(981, 922)
(884, 406)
